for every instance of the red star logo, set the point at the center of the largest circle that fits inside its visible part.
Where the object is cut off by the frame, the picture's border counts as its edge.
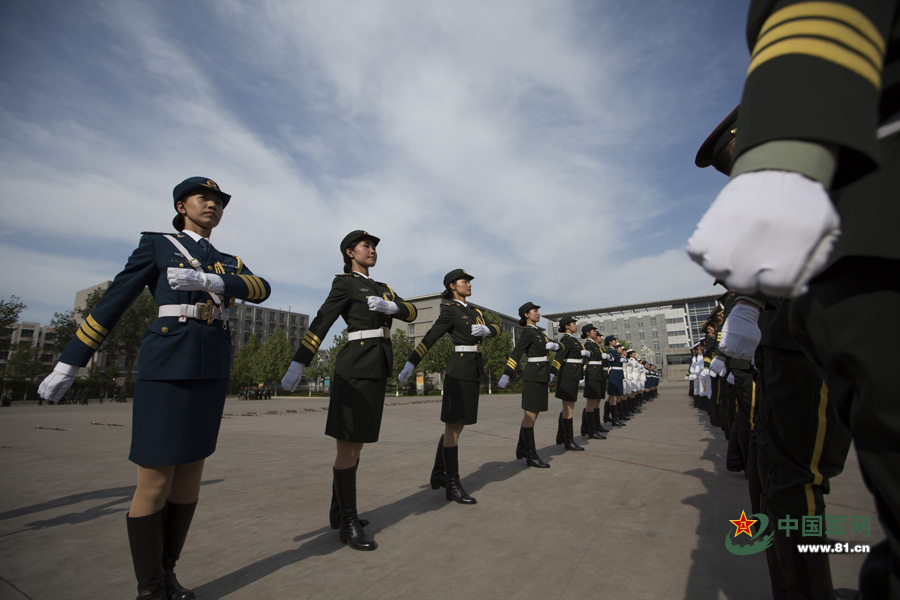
(743, 525)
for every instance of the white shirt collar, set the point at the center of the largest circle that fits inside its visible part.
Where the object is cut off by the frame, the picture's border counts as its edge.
(461, 302)
(194, 235)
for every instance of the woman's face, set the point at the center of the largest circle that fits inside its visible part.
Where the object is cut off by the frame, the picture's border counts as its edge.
(533, 315)
(592, 334)
(364, 254)
(463, 287)
(571, 327)
(203, 208)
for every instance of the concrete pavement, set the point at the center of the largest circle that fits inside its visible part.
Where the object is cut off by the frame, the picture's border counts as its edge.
(643, 514)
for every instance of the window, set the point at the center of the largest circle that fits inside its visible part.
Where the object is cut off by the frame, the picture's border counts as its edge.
(49, 336)
(281, 318)
(271, 317)
(627, 325)
(411, 329)
(656, 346)
(27, 333)
(641, 334)
(653, 320)
(655, 333)
(293, 319)
(673, 321)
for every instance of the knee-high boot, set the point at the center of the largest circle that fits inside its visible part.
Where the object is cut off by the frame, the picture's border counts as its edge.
(584, 424)
(438, 472)
(532, 458)
(606, 413)
(455, 490)
(521, 447)
(570, 437)
(352, 532)
(178, 522)
(334, 515)
(560, 432)
(617, 414)
(593, 433)
(598, 422)
(145, 537)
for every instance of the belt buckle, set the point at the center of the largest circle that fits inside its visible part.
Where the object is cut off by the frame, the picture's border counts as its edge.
(205, 312)
(386, 333)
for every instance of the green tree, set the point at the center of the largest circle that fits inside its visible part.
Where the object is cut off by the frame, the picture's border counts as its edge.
(9, 315)
(22, 368)
(242, 366)
(65, 326)
(435, 361)
(495, 351)
(272, 360)
(315, 370)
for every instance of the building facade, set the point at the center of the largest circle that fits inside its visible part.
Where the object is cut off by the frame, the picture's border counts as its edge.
(252, 319)
(660, 332)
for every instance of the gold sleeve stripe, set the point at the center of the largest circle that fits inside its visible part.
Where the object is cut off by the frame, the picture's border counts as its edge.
(843, 46)
(421, 349)
(413, 313)
(313, 337)
(555, 363)
(393, 294)
(707, 359)
(255, 288)
(511, 364)
(86, 340)
(95, 325)
(250, 289)
(91, 333)
(306, 344)
(827, 10)
(261, 289)
(497, 330)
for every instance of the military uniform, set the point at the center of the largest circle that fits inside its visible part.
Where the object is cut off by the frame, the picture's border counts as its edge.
(532, 344)
(568, 366)
(594, 374)
(364, 363)
(184, 362)
(465, 368)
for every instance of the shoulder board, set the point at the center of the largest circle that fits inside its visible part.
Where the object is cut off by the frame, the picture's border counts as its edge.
(448, 304)
(382, 283)
(342, 274)
(160, 233)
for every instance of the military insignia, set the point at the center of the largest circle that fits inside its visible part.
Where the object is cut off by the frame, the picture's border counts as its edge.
(212, 184)
(364, 289)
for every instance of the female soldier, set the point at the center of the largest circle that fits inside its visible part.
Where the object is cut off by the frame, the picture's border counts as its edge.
(534, 344)
(593, 384)
(462, 378)
(361, 370)
(182, 374)
(569, 364)
(616, 388)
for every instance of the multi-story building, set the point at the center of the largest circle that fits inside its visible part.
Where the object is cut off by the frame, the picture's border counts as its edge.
(39, 336)
(428, 308)
(248, 319)
(660, 332)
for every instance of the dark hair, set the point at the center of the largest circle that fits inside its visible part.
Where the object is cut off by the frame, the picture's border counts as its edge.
(522, 321)
(583, 335)
(348, 262)
(178, 222)
(447, 294)
(562, 328)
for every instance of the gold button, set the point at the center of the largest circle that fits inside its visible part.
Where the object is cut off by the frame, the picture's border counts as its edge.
(181, 264)
(362, 343)
(209, 267)
(165, 330)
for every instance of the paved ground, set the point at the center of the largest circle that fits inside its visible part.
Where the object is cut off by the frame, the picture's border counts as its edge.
(643, 514)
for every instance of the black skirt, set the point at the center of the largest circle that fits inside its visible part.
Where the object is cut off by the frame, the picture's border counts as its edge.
(567, 389)
(355, 409)
(534, 396)
(176, 422)
(460, 406)
(594, 388)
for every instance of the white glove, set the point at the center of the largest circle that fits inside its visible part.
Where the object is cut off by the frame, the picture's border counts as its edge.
(189, 280)
(769, 231)
(58, 382)
(381, 305)
(717, 366)
(730, 378)
(586, 353)
(552, 377)
(406, 372)
(740, 333)
(552, 346)
(504, 381)
(604, 356)
(693, 377)
(481, 330)
(705, 372)
(291, 379)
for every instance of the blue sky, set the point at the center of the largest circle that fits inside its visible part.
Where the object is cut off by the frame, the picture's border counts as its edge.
(545, 147)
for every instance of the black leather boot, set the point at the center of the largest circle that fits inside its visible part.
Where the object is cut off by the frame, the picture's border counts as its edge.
(145, 537)
(560, 432)
(521, 447)
(178, 522)
(438, 473)
(455, 490)
(606, 413)
(334, 514)
(584, 425)
(532, 458)
(598, 422)
(593, 434)
(570, 437)
(352, 532)
(614, 409)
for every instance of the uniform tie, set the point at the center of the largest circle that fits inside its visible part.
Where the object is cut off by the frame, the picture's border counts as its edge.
(204, 246)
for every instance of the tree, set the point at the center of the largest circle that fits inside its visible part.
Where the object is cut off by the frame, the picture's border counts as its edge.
(495, 350)
(9, 315)
(242, 366)
(65, 327)
(402, 347)
(273, 358)
(22, 367)
(338, 342)
(435, 360)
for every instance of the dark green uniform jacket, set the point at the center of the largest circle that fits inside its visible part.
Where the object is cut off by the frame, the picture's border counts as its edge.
(595, 372)
(371, 358)
(457, 319)
(571, 348)
(532, 343)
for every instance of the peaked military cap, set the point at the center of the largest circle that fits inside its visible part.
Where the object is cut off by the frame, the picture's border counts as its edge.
(609, 338)
(193, 184)
(355, 236)
(527, 307)
(716, 150)
(456, 274)
(566, 320)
